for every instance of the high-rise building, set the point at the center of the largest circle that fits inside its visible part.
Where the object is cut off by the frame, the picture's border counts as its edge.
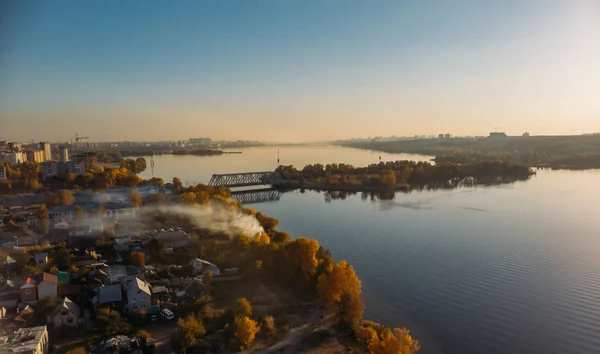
(63, 153)
(14, 146)
(89, 158)
(16, 157)
(45, 146)
(36, 156)
(3, 176)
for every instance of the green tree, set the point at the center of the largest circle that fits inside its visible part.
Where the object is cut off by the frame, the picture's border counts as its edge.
(111, 323)
(135, 198)
(43, 214)
(138, 259)
(66, 197)
(189, 331)
(246, 330)
(242, 307)
(63, 258)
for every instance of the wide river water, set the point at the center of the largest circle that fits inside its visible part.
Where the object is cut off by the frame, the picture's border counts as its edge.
(503, 269)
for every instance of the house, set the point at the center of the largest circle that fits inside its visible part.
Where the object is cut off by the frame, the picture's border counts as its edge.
(7, 239)
(28, 291)
(7, 260)
(32, 340)
(85, 257)
(66, 314)
(47, 286)
(138, 296)
(63, 277)
(9, 295)
(41, 260)
(172, 239)
(24, 316)
(109, 295)
(33, 221)
(125, 273)
(200, 266)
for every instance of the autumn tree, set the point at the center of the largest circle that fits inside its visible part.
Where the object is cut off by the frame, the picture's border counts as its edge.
(242, 307)
(78, 214)
(138, 259)
(143, 334)
(305, 251)
(207, 277)
(397, 342)
(189, 331)
(269, 325)
(245, 330)
(43, 214)
(111, 323)
(268, 223)
(135, 198)
(155, 181)
(177, 184)
(78, 350)
(66, 197)
(340, 289)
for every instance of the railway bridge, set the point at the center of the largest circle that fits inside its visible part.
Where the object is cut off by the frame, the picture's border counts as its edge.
(250, 179)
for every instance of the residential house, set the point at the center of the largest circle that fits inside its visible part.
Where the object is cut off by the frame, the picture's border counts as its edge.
(85, 257)
(66, 314)
(201, 266)
(125, 273)
(28, 291)
(9, 295)
(41, 260)
(63, 277)
(33, 221)
(172, 239)
(7, 260)
(47, 286)
(138, 296)
(109, 296)
(24, 317)
(7, 239)
(32, 340)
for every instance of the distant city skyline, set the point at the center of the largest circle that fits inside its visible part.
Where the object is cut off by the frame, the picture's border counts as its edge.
(297, 71)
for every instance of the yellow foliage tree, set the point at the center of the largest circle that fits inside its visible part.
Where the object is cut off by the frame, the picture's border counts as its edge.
(398, 342)
(340, 288)
(242, 307)
(306, 251)
(246, 330)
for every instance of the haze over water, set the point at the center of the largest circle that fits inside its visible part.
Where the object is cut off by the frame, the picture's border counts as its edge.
(503, 269)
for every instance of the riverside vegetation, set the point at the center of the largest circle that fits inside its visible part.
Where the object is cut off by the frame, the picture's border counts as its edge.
(557, 152)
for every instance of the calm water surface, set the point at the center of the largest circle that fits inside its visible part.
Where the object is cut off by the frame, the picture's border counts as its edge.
(505, 269)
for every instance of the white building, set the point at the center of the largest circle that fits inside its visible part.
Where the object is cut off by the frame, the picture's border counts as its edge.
(45, 147)
(138, 296)
(31, 340)
(66, 314)
(16, 157)
(201, 266)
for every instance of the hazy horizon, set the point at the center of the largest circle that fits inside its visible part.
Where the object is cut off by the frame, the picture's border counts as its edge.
(297, 71)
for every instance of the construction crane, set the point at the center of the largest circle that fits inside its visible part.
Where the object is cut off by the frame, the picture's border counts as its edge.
(78, 139)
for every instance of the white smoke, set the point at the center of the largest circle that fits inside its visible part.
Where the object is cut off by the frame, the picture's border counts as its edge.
(214, 217)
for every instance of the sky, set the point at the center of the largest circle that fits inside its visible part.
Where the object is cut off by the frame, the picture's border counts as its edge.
(275, 70)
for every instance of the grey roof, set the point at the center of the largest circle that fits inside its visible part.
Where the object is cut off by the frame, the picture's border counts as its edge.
(40, 256)
(68, 305)
(109, 293)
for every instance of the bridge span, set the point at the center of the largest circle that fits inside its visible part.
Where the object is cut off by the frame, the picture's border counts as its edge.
(248, 179)
(256, 195)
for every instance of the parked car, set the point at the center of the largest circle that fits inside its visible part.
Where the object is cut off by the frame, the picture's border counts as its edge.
(168, 314)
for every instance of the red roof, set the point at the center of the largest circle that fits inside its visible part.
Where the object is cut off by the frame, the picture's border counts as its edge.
(29, 281)
(50, 278)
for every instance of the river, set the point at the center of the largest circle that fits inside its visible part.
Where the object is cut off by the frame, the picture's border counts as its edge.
(503, 269)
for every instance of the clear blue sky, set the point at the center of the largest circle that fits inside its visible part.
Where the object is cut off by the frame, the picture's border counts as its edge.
(297, 70)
